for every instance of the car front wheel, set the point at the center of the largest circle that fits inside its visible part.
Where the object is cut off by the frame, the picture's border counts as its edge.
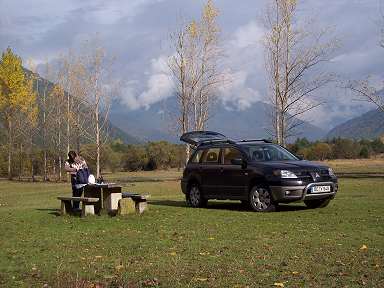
(260, 200)
(320, 203)
(194, 197)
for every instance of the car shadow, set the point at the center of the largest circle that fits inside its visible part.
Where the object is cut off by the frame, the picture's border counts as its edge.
(290, 207)
(232, 206)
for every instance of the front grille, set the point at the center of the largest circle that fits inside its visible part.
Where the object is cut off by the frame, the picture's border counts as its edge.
(324, 172)
(318, 175)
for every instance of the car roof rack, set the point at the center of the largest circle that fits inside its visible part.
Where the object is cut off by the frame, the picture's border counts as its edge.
(216, 141)
(256, 140)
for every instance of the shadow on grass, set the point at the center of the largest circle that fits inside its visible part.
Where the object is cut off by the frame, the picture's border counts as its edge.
(232, 206)
(172, 203)
(51, 211)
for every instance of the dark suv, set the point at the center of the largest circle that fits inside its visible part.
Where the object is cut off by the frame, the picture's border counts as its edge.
(256, 172)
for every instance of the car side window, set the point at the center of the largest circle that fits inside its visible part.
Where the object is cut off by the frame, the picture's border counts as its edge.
(196, 157)
(230, 154)
(211, 156)
(259, 154)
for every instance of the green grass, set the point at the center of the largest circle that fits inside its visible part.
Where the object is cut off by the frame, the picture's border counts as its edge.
(175, 246)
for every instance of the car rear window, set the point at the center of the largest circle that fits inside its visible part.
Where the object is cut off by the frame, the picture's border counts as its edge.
(196, 157)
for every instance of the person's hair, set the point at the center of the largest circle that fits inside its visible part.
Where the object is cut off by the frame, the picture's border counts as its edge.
(71, 156)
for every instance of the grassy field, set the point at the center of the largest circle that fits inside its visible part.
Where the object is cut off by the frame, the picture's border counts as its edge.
(358, 166)
(171, 245)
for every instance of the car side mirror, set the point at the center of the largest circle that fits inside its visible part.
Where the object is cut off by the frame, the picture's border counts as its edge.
(300, 156)
(239, 161)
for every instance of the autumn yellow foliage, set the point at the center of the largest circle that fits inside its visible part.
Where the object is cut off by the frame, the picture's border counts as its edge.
(17, 98)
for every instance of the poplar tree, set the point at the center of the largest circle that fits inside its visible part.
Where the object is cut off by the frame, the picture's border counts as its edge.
(294, 56)
(16, 97)
(195, 70)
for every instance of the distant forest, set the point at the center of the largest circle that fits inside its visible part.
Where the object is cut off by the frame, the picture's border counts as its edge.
(118, 156)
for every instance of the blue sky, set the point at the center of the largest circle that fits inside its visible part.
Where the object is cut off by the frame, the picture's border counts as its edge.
(136, 32)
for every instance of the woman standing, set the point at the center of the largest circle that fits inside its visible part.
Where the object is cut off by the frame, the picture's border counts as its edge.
(73, 164)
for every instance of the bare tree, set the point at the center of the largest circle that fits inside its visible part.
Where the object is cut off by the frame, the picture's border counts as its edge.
(71, 77)
(194, 67)
(46, 110)
(178, 65)
(66, 79)
(78, 104)
(367, 92)
(96, 89)
(209, 76)
(293, 52)
(57, 125)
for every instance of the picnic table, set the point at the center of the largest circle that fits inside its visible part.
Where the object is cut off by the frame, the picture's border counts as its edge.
(102, 191)
(104, 197)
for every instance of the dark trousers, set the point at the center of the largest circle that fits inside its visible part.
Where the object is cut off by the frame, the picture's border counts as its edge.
(75, 192)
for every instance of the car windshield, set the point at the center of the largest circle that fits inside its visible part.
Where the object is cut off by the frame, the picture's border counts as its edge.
(267, 152)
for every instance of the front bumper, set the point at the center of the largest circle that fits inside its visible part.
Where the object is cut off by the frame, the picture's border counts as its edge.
(296, 193)
(183, 185)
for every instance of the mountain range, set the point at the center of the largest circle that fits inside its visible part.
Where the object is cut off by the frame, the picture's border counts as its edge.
(367, 126)
(152, 124)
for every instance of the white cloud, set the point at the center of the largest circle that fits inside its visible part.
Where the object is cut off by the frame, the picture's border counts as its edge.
(129, 95)
(109, 12)
(248, 35)
(159, 86)
(133, 30)
(244, 57)
(41, 16)
(236, 93)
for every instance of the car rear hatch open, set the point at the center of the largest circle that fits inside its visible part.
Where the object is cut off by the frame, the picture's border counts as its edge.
(196, 138)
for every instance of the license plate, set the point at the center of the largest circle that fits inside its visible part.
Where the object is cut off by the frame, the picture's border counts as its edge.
(321, 189)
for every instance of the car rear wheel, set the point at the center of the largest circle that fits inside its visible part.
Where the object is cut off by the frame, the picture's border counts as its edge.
(194, 197)
(260, 199)
(319, 203)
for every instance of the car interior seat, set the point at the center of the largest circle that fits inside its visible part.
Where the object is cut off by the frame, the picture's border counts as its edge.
(212, 157)
(229, 157)
(257, 155)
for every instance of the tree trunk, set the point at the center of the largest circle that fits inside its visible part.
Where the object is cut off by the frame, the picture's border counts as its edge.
(32, 161)
(78, 140)
(60, 168)
(32, 168)
(277, 124)
(10, 144)
(20, 160)
(68, 122)
(97, 141)
(78, 144)
(45, 134)
(282, 129)
(45, 166)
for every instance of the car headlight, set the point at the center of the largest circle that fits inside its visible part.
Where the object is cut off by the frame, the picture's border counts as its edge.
(330, 172)
(286, 174)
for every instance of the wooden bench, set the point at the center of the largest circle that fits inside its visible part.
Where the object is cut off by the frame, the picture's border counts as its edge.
(140, 201)
(87, 205)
